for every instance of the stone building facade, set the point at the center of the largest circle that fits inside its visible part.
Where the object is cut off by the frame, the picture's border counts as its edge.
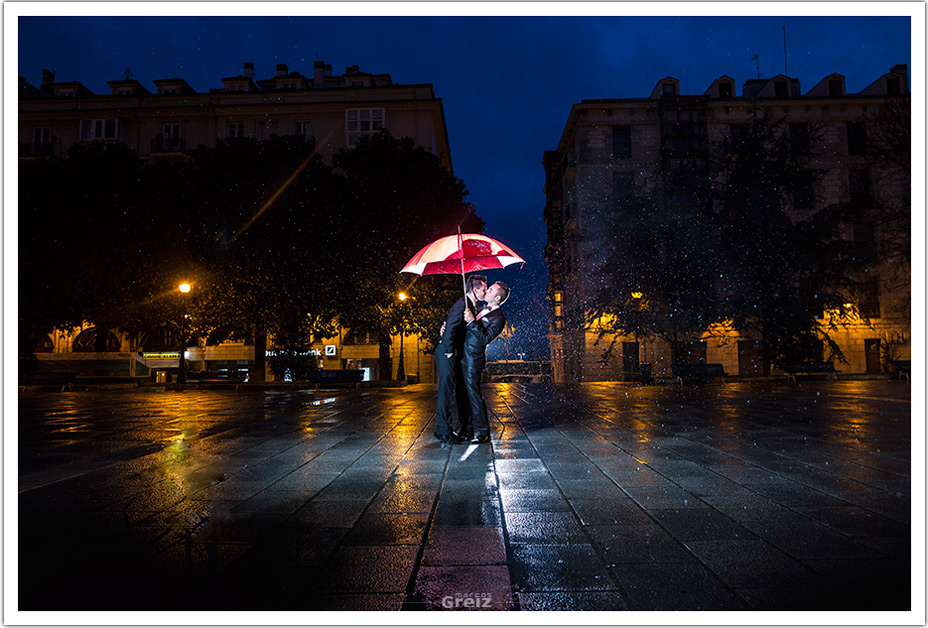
(167, 119)
(611, 146)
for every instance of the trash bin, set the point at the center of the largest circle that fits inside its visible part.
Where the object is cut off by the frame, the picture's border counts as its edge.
(645, 371)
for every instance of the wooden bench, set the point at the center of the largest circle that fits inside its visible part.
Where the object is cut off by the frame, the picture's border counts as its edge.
(337, 376)
(49, 379)
(697, 371)
(903, 368)
(810, 368)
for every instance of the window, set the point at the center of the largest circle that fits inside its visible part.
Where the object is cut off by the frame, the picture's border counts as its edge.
(834, 87)
(856, 138)
(107, 129)
(739, 134)
(558, 309)
(621, 142)
(170, 90)
(621, 189)
(236, 129)
(804, 193)
(869, 305)
(301, 128)
(360, 122)
(893, 86)
(859, 188)
(669, 89)
(41, 137)
(779, 89)
(124, 91)
(66, 93)
(800, 138)
(170, 138)
(725, 90)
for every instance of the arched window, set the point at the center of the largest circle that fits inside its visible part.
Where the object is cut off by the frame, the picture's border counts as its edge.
(44, 344)
(158, 339)
(87, 340)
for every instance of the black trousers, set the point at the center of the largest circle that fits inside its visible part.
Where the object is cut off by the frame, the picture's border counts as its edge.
(445, 367)
(465, 416)
(473, 374)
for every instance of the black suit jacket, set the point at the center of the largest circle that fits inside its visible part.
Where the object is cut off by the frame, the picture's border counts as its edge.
(453, 339)
(481, 333)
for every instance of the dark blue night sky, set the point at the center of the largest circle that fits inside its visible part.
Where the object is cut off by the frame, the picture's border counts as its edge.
(507, 83)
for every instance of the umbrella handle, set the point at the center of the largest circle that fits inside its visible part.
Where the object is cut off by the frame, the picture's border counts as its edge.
(463, 279)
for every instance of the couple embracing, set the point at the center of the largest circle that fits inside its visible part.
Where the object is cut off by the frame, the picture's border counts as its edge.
(474, 321)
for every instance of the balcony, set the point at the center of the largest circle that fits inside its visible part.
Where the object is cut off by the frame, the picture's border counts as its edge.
(161, 144)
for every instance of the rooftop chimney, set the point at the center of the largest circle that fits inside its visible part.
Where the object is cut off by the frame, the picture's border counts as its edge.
(281, 69)
(48, 77)
(319, 74)
(249, 71)
(328, 69)
(902, 70)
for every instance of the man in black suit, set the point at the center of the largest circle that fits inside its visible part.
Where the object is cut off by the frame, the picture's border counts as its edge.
(448, 355)
(481, 330)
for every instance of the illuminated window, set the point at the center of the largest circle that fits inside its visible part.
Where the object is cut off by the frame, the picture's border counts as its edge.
(360, 122)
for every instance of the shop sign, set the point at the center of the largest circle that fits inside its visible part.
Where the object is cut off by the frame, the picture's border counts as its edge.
(164, 359)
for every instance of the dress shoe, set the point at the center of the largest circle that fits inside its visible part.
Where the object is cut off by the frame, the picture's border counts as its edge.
(462, 436)
(480, 438)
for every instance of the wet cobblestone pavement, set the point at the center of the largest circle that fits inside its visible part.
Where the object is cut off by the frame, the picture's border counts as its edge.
(735, 496)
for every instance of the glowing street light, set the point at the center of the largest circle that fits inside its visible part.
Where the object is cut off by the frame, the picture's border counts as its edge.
(401, 367)
(184, 288)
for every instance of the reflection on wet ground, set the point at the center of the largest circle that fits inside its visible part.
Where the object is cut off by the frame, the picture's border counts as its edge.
(735, 496)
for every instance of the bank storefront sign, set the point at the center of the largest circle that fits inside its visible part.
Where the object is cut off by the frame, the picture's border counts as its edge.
(162, 360)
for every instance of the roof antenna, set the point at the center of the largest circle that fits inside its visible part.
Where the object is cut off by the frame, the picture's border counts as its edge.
(756, 60)
(785, 67)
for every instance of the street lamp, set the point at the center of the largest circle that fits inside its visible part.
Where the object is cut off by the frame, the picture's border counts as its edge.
(400, 368)
(184, 288)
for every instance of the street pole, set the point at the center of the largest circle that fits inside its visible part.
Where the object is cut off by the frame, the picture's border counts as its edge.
(400, 367)
(181, 362)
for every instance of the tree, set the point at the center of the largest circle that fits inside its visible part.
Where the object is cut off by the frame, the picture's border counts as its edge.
(655, 271)
(780, 271)
(87, 241)
(274, 241)
(398, 197)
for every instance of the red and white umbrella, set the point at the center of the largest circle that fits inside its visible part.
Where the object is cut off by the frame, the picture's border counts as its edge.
(460, 254)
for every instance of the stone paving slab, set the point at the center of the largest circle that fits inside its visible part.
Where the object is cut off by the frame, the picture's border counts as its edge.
(734, 496)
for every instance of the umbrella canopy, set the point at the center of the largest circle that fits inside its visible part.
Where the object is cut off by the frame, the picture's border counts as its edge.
(459, 254)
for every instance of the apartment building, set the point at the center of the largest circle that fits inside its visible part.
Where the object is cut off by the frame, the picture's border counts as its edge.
(608, 147)
(168, 118)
